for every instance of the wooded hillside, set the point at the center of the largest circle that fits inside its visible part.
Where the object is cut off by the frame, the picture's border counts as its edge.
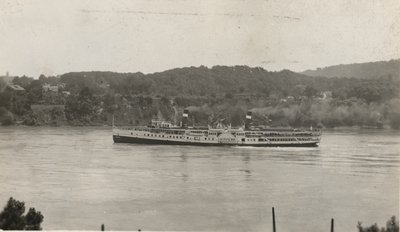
(362, 70)
(217, 94)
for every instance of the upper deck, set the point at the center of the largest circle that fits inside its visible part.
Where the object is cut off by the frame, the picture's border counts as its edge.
(270, 132)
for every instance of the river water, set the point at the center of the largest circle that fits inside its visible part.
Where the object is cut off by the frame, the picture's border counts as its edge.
(79, 179)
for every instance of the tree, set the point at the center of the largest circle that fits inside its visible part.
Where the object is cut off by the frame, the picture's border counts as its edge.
(35, 91)
(164, 100)
(2, 84)
(42, 78)
(85, 99)
(229, 95)
(394, 120)
(391, 226)
(5, 99)
(368, 92)
(237, 117)
(81, 107)
(310, 91)
(12, 218)
(23, 81)
(33, 219)
(109, 103)
(85, 93)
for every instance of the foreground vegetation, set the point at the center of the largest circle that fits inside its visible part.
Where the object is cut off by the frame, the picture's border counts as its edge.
(218, 94)
(392, 225)
(12, 217)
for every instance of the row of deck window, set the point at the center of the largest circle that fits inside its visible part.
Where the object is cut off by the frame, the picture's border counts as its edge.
(229, 139)
(174, 137)
(282, 139)
(278, 140)
(279, 135)
(291, 139)
(247, 134)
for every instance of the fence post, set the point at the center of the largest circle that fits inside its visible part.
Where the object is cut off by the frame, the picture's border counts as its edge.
(332, 225)
(102, 227)
(273, 220)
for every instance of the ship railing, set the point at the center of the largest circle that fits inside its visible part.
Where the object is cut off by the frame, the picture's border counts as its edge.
(282, 135)
(291, 133)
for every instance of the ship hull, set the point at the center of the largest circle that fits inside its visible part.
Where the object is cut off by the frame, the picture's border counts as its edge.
(135, 140)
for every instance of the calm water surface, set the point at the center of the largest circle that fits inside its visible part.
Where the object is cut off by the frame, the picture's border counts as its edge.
(79, 179)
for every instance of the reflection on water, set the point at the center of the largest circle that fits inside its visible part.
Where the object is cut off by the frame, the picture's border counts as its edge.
(69, 172)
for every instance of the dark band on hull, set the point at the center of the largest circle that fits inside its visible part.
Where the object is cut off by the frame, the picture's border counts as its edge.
(125, 139)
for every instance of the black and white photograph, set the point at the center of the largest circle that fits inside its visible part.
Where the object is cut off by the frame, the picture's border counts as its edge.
(200, 115)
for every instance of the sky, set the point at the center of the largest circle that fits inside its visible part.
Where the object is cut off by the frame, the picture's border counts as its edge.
(53, 37)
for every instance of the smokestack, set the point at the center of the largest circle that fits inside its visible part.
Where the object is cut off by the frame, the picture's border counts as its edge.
(185, 116)
(247, 121)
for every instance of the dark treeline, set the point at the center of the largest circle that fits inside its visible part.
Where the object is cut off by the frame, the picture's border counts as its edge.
(362, 70)
(217, 94)
(222, 80)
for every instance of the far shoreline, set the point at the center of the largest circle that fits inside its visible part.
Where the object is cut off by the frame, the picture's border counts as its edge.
(339, 128)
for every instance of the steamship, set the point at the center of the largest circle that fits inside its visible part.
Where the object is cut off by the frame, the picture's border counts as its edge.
(160, 132)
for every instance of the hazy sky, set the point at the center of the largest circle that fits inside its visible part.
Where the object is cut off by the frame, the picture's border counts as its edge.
(54, 36)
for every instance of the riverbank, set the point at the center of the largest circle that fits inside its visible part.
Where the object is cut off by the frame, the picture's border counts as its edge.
(110, 126)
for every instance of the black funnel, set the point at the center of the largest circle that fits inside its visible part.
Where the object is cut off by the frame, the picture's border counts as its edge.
(247, 121)
(185, 116)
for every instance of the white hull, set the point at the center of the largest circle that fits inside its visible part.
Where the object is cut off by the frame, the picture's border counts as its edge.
(216, 137)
